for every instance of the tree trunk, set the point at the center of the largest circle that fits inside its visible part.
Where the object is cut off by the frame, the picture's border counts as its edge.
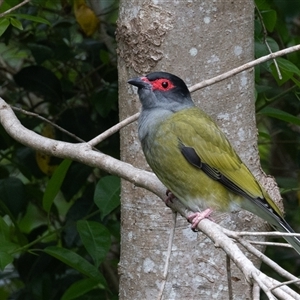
(194, 40)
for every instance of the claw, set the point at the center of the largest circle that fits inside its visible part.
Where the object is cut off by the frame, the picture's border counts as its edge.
(196, 217)
(170, 197)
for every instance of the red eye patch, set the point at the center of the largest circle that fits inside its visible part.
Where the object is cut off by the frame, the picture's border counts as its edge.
(162, 84)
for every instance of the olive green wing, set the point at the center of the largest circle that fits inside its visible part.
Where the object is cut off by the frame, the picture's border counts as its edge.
(206, 147)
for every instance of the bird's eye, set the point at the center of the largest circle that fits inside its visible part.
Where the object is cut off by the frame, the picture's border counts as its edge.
(164, 84)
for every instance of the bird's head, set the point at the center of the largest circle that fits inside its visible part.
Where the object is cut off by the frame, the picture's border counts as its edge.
(161, 89)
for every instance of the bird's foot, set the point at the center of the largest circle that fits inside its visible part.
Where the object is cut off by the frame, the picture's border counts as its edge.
(196, 217)
(170, 197)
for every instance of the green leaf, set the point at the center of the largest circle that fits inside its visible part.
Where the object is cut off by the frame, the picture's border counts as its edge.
(6, 5)
(287, 65)
(5, 259)
(263, 88)
(262, 4)
(4, 230)
(107, 194)
(104, 56)
(261, 48)
(105, 100)
(55, 183)
(77, 262)
(12, 195)
(4, 23)
(95, 238)
(6, 246)
(16, 23)
(281, 115)
(269, 19)
(264, 135)
(79, 288)
(287, 69)
(40, 52)
(18, 233)
(77, 173)
(31, 18)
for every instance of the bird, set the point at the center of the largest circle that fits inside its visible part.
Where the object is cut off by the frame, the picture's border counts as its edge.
(193, 158)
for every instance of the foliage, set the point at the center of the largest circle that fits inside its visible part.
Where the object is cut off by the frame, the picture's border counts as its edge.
(278, 108)
(59, 220)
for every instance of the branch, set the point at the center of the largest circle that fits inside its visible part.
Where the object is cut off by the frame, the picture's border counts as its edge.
(222, 238)
(208, 82)
(14, 8)
(84, 153)
(248, 246)
(29, 113)
(101, 137)
(194, 88)
(81, 152)
(244, 67)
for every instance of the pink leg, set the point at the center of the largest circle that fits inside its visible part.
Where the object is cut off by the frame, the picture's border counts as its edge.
(196, 217)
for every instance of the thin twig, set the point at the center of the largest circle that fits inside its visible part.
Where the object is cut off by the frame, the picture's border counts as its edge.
(193, 88)
(262, 285)
(283, 293)
(251, 273)
(271, 233)
(168, 258)
(113, 130)
(277, 97)
(95, 141)
(29, 113)
(265, 34)
(244, 67)
(285, 283)
(286, 245)
(255, 291)
(260, 255)
(14, 8)
(232, 72)
(229, 281)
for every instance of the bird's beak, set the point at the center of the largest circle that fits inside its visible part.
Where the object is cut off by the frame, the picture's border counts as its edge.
(140, 82)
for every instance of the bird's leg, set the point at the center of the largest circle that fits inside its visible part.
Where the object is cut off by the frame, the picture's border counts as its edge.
(170, 197)
(196, 217)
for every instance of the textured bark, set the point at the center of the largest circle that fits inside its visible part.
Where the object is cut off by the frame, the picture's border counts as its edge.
(195, 40)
